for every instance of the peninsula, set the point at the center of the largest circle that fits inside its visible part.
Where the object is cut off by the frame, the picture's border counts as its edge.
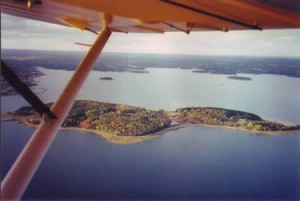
(134, 123)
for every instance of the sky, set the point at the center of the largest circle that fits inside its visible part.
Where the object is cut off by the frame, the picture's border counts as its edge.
(19, 33)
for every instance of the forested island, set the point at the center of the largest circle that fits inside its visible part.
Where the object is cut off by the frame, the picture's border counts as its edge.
(117, 120)
(228, 119)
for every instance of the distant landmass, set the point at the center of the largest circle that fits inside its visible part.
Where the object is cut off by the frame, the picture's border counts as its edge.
(138, 63)
(27, 75)
(124, 120)
(239, 78)
(24, 63)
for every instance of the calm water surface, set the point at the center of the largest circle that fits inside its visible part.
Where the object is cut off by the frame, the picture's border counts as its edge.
(195, 162)
(270, 96)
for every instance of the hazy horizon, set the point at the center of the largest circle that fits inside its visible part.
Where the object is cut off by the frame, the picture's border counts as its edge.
(150, 53)
(20, 33)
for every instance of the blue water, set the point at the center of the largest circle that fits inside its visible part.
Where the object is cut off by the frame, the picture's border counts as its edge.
(194, 162)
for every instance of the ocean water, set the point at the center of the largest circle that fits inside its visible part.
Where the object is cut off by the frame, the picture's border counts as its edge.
(194, 162)
(272, 97)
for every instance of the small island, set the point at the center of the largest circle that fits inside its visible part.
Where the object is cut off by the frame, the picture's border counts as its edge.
(126, 124)
(105, 78)
(200, 71)
(239, 78)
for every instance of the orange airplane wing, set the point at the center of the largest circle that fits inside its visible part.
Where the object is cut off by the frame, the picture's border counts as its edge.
(159, 16)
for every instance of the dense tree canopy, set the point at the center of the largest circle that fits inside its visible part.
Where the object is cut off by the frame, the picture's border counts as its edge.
(125, 120)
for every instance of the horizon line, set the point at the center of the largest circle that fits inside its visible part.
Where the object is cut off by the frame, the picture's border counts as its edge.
(149, 53)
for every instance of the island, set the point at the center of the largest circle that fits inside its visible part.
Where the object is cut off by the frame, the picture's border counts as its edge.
(200, 71)
(105, 78)
(125, 124)
(239, 78)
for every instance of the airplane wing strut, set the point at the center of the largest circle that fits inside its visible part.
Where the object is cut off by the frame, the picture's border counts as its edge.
(22, 171)
(22, 89)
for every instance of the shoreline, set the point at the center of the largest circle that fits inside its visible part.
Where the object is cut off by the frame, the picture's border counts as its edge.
(250, 131)
(134, 139)
(108, 136)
